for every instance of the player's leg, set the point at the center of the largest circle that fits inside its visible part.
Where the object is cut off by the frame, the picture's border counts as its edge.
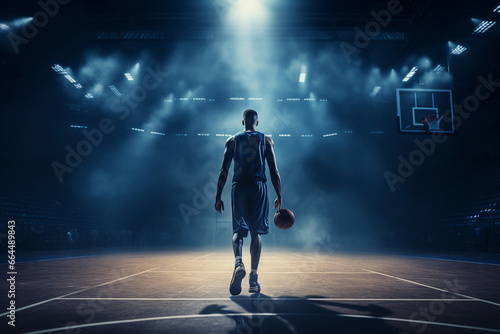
(255, 250)
(260, 225)
(239, 269)
(237, 246)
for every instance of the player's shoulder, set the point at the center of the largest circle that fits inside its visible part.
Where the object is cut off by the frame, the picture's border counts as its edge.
(269, 140)
(230, 140)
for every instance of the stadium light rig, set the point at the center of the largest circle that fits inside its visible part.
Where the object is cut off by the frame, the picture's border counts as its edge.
(3, 26)
(410, 74)
(375, 91)
(157, 133)
(459, 49)
(89, 96)
(438, 68)
(483, 27)
(497, 9)
(114, 90)
(302, 77)
(60, 70)
(129, 77)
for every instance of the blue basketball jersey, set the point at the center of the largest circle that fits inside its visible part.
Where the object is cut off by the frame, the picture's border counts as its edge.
(249, 157)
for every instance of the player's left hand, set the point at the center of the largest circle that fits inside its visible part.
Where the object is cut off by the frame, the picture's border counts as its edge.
(219, 204)
(277, 203)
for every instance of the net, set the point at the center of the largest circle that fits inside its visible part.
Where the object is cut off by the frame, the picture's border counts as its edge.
(433, 122)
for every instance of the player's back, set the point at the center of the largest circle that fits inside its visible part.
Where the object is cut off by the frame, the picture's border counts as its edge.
(249, 156)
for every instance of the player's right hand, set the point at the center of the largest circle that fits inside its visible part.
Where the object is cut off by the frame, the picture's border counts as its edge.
(219, 204)
(277, 203)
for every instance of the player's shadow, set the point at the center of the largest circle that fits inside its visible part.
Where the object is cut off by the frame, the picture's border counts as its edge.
(288, 314)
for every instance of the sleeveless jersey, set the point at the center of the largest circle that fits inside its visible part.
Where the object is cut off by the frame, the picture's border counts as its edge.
(249, 157)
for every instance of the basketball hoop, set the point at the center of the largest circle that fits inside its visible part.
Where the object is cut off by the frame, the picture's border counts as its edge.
(432, 121)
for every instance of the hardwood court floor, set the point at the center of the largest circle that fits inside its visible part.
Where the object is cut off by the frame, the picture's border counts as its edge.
(187, 292)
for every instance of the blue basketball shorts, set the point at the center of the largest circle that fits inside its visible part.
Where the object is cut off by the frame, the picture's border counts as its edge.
(250, 207)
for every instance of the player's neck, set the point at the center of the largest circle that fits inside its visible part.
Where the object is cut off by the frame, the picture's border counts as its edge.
(250, 129)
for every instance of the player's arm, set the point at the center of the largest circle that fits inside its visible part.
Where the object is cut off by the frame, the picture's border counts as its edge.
(224, 172)
(273, 170)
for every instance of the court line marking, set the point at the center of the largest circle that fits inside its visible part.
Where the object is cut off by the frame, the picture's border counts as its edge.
(57, 258)
(200, 257)
(262, 272)
(85, 289)
(231, 315)
(307, 257)
(432, 287)
(451, 260)
(319, 257)
(75, 292)
(268, 298)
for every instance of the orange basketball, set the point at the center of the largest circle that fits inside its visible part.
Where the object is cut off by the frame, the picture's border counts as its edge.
(284, 219)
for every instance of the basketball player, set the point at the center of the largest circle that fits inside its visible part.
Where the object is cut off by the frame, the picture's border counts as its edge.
(249, 201)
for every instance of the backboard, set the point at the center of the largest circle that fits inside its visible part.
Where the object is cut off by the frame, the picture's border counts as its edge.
(415, 104)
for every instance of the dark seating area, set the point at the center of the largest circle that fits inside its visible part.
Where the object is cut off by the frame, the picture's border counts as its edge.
(466, 219)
